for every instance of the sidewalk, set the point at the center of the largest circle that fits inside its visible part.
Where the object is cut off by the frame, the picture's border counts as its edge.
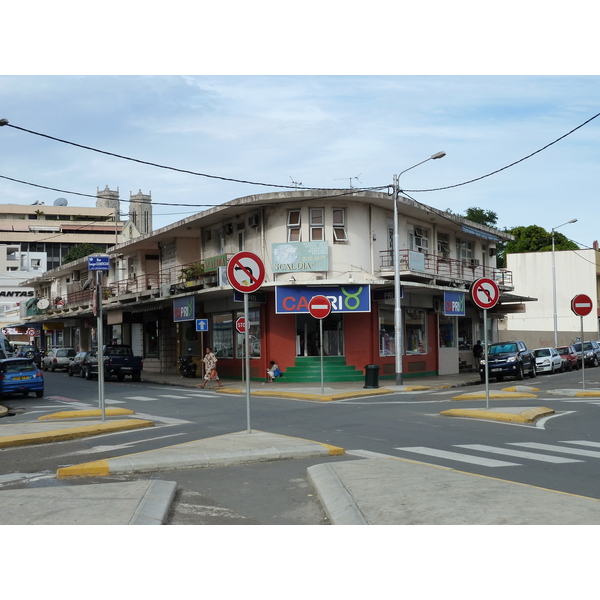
(370, 489)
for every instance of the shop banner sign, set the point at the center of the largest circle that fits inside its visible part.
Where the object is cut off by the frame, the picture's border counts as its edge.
(343, 298)
(300, 256)
(184, 309)
(454, 304)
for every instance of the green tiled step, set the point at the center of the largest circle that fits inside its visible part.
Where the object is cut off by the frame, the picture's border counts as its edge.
(308, 369)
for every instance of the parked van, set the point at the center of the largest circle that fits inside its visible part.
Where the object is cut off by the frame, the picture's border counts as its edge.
(6, 345)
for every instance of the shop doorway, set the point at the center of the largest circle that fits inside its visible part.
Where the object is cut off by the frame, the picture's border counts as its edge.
(307, 335)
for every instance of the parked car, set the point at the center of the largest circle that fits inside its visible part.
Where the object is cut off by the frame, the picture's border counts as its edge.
(569, 357)
(548, 360)
(84, 364)
(31, 352)
(58, 358)
(20, 376)
(508, 358)
(120, 361)
(592, 353)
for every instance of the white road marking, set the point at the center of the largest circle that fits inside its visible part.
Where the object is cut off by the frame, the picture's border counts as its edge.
(583, 443)
(141, 398)
(560, 449)
(518, 453)
(123, 446)
(475, 460)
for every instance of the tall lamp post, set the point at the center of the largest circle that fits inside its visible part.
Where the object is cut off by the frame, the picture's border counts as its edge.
(554, 282)
(396, 250)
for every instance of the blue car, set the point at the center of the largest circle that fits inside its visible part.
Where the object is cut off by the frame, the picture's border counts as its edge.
(20, 376)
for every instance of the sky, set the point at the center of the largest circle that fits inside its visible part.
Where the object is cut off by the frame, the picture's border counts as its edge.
(317, 131)
(280, 97)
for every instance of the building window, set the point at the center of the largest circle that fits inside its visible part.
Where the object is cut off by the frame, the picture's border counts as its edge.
(317, 225)
(446, 332)
(222, 335)
(443, 244)
(294, 226)
(465, 333)
(387, 334)
(253, 332)
(465, 250)
(416, 333)
(339, 226)
(419, 239)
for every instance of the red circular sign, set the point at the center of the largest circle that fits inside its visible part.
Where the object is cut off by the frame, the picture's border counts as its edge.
(319, 307)
(246, 272)
(240, 325)
(485, 293)
(582, 305)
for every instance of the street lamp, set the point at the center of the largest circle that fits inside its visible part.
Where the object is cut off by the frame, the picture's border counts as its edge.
(396, 250)
(554, 282)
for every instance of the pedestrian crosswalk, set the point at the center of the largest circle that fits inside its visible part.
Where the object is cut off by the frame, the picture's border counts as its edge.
(548, 453)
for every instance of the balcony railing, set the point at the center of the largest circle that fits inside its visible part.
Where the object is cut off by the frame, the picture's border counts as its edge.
(423, 265)
(187, 275)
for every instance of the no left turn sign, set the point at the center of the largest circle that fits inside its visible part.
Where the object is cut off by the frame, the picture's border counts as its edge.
(246, 272)
(485, 293)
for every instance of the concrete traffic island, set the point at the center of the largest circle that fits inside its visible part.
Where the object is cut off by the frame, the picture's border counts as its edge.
(505, 414)
(500, 395)
(576, 393)
(229, 449)
(303, 395)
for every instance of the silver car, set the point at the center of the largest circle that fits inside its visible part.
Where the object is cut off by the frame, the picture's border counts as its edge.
(58, 358)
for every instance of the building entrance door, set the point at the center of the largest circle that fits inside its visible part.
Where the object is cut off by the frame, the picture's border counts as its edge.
(307, 335)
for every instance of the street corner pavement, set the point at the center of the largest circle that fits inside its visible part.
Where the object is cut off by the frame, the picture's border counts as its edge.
(3, 411)
(229, 449)
(507, 414)
(72, 425)
(279, 391)
(126, 503)
(393, 491)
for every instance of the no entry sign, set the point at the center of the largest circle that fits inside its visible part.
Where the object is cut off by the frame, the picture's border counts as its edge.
(319, 307)
(582, 305)
(246, 272)
(485, 293)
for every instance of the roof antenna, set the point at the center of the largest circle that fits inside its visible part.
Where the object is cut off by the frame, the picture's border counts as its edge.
(296, 184)
(350, 180)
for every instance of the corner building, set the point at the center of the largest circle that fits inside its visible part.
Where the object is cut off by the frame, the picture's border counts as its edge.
(167, 293)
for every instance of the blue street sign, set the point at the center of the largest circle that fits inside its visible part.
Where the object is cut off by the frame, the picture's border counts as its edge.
(201, 324)
(98, 263)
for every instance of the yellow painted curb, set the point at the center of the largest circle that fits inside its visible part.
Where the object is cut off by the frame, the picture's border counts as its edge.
(59, 435)
(494, 396)
(77, 414)
(302, 396)
(527, 416)
(97, 468)
(3, 410)
(513, 388)
(419, 388)
(588, 394)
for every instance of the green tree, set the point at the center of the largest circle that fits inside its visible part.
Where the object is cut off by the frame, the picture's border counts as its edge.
(532, 238)
(489, 218)
(81, 251)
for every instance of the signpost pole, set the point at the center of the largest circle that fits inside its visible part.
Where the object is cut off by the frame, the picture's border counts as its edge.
(582, 355)
(322, 369)
(247, 346)
(100, 338)
(485, 355)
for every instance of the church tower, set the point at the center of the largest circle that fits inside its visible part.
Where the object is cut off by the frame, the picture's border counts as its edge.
(107, 198)
(140, 211)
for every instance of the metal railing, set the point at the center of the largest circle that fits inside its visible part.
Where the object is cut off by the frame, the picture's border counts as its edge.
(441, 267)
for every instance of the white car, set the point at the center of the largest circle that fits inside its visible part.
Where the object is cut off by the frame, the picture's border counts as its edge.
(58, 358)
(548, 360)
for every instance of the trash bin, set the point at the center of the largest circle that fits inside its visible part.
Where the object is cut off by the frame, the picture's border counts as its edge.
(372, 376)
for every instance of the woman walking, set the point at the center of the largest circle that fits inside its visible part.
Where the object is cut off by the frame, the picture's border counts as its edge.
(210, 367)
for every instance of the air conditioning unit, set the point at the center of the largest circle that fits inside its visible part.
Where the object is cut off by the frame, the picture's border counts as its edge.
(229, 228)
(492, 251)
(165, 289)
(254, 221)
(75, 276)
(474, 262)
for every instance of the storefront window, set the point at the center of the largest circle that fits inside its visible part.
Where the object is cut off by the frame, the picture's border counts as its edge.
(446, 332)
(151, 338)
(387, 342)
(222, 335)
(190, 339)
(465, 333)
(253, 332)
(416, 333)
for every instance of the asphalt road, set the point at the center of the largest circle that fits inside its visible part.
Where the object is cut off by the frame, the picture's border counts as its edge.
(560, 453)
